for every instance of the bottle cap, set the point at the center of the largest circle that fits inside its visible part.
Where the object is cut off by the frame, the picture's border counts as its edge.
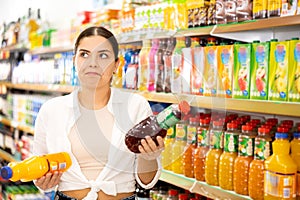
(6, 172)
(247, 128)
(173, 192)
(282, 130)
(296, 135)
(232, 125)
(184, 107)
(263, 130)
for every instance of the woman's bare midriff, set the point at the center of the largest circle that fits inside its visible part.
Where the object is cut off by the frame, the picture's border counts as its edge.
(80, 194)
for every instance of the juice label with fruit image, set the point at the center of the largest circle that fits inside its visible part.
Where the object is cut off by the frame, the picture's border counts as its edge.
(225, 68)
(241, 71)
(278, 73)
(210, 71)
(294, 72)
(259, 71)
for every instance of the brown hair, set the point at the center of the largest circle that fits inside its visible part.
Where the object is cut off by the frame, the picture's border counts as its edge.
(99, 31)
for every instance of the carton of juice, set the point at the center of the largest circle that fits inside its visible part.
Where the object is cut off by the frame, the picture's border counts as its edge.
(241, 71)
(225, 69)
(278, 73)
(259, 70)
(210, 70)
(294, 71)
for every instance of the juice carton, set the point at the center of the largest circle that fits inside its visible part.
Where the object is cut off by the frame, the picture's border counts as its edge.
(259, 70)
(288, 8)
(225, 69)
(294, 71)
(278, 70)
(210, 70)
(197, 71)
(241, 71)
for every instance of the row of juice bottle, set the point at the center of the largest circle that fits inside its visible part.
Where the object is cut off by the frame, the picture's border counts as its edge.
(244, 155)
(259, 70)
(182, 14)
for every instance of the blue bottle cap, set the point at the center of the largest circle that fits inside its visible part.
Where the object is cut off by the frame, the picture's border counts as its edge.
(281, 135)
(296, 135)
(6, 172)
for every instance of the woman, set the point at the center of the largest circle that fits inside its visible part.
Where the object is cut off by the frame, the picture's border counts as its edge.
(90, 124)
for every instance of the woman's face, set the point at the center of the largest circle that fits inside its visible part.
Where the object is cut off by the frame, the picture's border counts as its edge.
(95, 62)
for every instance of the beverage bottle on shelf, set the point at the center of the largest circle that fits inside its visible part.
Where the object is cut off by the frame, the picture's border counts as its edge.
(231, 142)
(262, 151)
(188, 158)
(171, 42)
(214, 153)
(117, 78)
(143, 65)
(36, 166)
(155, 125)
(159, 65)
(151, 67)
(295, 154)
(280, 171)
(202, 149)
(166, 158)
(127, 57)
(179, 145)
(172, 194)
(242, 162)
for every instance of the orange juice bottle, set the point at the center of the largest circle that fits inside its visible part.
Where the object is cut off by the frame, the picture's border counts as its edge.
(143, 65)
(262, 151)
(295, 153)
(281, 170)
(36, 166)
(178, 147)
(188, 160)
(214, 153)
(242, 162)
(202, 149)
(166, 158)
(231, 142)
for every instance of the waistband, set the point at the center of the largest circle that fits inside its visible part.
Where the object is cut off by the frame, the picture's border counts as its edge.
(61, 196)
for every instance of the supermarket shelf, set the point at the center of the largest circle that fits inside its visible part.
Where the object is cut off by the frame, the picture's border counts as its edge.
(40, 87)
(11, 123)
(245, 105)
(266, 107)
(45, 50)
(6, 156)
(206, 30)
(259, 24)
(199, 187)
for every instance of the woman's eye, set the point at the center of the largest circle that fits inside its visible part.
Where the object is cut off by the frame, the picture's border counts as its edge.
(103, 55)
(84, 54)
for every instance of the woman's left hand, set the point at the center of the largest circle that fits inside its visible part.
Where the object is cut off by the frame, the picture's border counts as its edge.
(148, 148)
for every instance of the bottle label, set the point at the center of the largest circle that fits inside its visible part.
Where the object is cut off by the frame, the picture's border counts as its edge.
(262, 149)
(171, 132)
(203, 137)
(246, 145)
(191, 134)
(181, 132)
(280, 185)
(166, 118)
(231, 142)
(216, 139)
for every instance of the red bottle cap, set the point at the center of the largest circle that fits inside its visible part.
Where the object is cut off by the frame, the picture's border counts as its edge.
(263, 130)
(184, 107)
(232, 125)
(247, 128)
(173, 192)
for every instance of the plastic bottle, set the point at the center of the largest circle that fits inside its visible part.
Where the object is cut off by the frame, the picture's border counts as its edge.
(166, 158)
(188, 158)
(295, 154)
(168, 64)
(214, 153)
(177, 66)
(242, 162)
(262, 151)
(178, 146)
(36, 166)
(117, 78)
(172, 194)
(127, 57)
(280, 173)
(151, 67)
(159, 65)
(155, 125)
(143, 65)
(231, 142)
(202, 149)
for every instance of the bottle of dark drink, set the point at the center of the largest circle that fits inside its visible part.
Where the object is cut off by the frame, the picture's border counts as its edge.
(155, 125)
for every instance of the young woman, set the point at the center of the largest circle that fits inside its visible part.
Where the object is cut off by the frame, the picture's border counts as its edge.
(90, 124)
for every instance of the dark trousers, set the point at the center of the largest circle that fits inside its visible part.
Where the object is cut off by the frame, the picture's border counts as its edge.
(61, 196)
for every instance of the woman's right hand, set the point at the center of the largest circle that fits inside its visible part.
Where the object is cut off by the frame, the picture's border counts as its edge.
(49, 180)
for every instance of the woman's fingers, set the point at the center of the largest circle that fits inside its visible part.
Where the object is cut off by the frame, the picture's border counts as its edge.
(49, 180)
